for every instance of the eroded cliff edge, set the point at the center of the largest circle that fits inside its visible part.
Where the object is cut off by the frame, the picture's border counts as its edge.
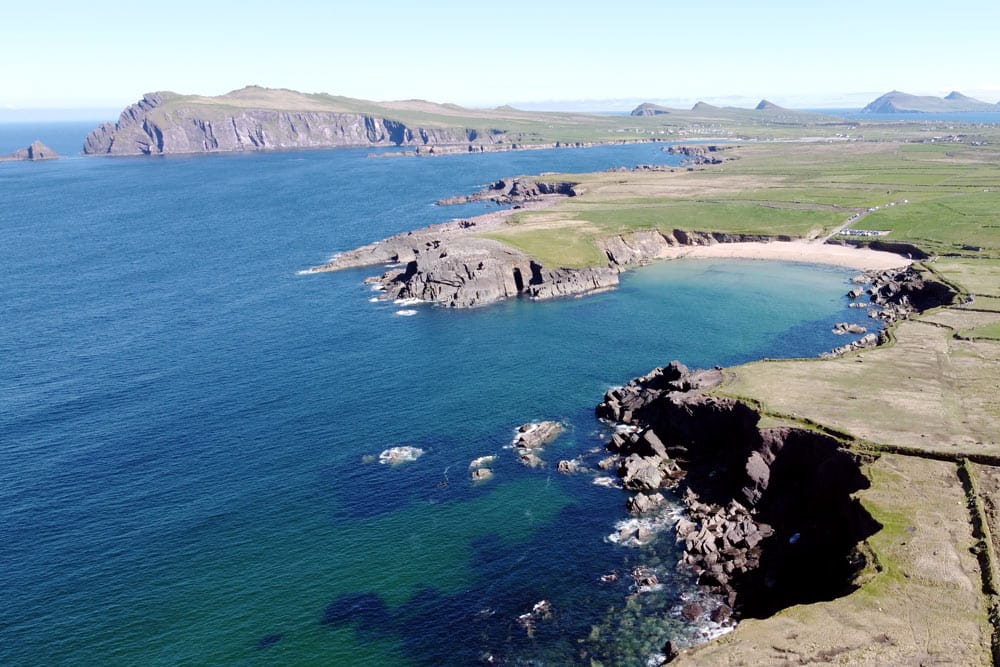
(771, 516)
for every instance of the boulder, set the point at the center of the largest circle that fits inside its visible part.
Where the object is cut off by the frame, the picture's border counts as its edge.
(642, 503)
(641, 473)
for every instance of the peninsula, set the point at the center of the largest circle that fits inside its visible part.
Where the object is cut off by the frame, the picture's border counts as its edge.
(255, 118)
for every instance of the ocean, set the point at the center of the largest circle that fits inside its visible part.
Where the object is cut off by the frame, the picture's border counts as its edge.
(189, 429)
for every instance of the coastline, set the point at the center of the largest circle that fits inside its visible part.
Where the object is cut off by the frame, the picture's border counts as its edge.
(880, 493)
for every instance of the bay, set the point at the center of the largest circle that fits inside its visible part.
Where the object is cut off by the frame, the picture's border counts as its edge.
(187, 425)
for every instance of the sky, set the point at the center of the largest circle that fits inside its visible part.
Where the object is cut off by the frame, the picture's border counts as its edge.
(529, 53)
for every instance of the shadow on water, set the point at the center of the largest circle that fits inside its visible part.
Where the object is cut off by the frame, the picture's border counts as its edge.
(488, 620)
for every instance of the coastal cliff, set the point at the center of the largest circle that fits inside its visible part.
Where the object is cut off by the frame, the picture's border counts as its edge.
(771, 519)
(164, 123)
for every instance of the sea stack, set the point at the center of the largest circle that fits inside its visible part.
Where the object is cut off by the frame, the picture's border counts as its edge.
(36, 151)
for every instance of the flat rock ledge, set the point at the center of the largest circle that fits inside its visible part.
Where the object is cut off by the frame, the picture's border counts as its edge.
(770, 517)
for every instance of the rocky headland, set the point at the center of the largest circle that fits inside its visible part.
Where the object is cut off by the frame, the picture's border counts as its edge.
(157, 125)
(36, 151)
(770, 517)
(455, 264)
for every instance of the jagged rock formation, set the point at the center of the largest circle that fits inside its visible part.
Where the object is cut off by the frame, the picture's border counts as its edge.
(36, 151)
(159, 124)
(892, 295)
(696, 154)
(514, 191)
(771, 517)
(532, 437)
(955, 102)
(451, 264)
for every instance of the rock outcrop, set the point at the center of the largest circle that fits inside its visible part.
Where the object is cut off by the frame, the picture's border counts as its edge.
(771, 520)
(531, 438)
(892, 295)
(516, 190)
(36, 151)
(159, 125)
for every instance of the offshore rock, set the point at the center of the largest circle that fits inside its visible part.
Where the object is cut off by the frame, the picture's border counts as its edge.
(532, 437)
(36, 151)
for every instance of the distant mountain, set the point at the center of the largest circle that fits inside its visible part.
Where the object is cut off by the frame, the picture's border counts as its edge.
(649, 109)
(954, 102)
(765, 105)
(704, 106)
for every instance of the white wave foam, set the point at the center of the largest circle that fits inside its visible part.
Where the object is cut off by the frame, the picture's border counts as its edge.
(607, 482)
(412, 301)
(637, 531)
(402, 454)
(406, 313)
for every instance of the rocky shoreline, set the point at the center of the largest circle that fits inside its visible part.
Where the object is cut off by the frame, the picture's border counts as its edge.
(455, 265)
(770, 518)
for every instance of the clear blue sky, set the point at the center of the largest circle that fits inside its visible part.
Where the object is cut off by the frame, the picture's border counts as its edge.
(71, 54)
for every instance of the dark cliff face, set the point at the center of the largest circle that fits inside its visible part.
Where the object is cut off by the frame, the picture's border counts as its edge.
(774, 520)
(195, 129)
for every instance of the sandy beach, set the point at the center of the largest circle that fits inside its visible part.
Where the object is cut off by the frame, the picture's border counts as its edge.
(863, 259)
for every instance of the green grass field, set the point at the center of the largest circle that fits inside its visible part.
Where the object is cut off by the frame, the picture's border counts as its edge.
(943, 198)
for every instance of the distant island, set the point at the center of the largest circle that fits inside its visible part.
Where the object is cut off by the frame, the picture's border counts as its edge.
(954, 102)
(36, 151)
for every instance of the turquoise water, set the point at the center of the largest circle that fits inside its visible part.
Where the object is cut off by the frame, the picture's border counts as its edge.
(185, 422)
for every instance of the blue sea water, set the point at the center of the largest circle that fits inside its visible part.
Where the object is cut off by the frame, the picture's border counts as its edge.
(187, 425)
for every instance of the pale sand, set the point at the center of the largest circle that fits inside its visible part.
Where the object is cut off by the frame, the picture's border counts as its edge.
(863, 259)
